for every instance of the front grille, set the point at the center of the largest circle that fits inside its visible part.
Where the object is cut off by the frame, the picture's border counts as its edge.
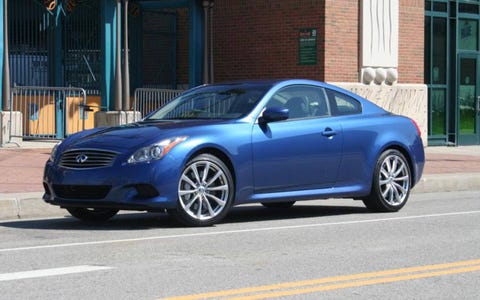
(93, 192)
(85, 159)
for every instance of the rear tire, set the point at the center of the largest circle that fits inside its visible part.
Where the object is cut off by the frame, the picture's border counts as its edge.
(92, 214)
(391, 183)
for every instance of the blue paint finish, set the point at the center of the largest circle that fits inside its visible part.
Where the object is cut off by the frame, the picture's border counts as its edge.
(314, 157)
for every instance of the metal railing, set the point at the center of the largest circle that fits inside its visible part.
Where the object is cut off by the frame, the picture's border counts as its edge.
(47, 112)
(147, 100)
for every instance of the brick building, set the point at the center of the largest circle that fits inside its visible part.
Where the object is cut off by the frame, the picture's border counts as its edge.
(379, 49)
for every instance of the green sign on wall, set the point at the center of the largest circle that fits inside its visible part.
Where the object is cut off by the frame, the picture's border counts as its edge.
(307, 46)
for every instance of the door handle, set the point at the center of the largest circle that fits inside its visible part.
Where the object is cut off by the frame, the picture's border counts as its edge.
(478, 104)
(329, 132)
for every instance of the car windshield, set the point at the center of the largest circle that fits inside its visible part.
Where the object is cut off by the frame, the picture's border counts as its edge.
(228, 101)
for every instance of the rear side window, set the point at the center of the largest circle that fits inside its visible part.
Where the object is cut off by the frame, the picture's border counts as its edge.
(343, 104)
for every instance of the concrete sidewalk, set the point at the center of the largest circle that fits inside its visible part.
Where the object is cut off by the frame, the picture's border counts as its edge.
(446, 169)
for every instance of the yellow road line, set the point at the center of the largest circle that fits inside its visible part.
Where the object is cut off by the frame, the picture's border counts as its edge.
(357, 284)
(300, 287)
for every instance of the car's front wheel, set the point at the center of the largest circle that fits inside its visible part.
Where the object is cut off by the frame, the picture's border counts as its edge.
(92, 214)
(205, 192)
(391, 183)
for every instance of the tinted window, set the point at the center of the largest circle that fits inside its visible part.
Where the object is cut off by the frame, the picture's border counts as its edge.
(302, 101)
(212, 102)
(343, 104)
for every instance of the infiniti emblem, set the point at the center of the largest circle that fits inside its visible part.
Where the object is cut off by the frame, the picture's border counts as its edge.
(81, 158)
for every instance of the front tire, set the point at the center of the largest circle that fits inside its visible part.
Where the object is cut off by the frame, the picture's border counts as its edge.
(92, 214)
(391, 183)
(205, 192)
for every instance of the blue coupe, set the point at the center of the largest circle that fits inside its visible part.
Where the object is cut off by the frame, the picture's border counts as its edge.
(220, 145)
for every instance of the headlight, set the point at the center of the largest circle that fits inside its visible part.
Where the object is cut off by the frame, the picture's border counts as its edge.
(54, 152)
(155, 151)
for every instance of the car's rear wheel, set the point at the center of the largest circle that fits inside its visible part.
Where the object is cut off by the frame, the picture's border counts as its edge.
(391, 183)
(92, 214)
(205, 192)
(279, 205)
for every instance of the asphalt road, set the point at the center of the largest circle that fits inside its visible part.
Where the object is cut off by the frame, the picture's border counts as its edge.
(316, 250)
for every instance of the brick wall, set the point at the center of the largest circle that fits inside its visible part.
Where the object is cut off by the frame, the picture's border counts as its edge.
(411, 41)
(342, 46)
(259, 39)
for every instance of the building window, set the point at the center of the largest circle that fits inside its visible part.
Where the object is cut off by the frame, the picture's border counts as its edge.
(439, 51)
(468, 34)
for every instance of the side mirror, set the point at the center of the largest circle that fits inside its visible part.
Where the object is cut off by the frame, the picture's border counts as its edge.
(274, 114)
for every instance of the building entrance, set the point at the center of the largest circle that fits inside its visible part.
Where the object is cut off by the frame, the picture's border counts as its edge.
(468, 98)
(452, 71)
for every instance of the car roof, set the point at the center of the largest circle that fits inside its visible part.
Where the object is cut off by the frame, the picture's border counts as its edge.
(279, 83)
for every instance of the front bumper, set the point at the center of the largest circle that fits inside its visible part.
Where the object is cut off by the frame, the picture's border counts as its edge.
(149, 186)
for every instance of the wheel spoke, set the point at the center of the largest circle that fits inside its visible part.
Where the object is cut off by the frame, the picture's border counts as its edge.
(188, 180)
(195, 172)
(199, 210)
(218, 188)
(186, 192)
(388, 165)
(209, 207)
(189, 204)
(205, 172)
(216, 199)
(399, 170)
(214, 178)
(397, 197)
(384, 172)
(404, 178)
(399, 187)
(387, 190)
(391, 193)
(383, 182)
(394, 164)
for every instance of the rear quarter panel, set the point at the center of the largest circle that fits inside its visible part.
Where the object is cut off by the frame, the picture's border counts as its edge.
(366, 137)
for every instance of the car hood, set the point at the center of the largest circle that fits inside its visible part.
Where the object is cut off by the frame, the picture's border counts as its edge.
(133, 136)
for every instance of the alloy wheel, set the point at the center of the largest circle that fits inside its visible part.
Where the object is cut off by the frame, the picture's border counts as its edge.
(394, 180)
(204, 190)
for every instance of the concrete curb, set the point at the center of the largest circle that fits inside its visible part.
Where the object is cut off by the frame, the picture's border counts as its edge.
(16, 206)
(433, 183)
(27, 205)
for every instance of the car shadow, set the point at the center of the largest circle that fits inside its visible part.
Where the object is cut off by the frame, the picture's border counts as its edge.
(298, 211)
(143, 221)
(121, 222)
